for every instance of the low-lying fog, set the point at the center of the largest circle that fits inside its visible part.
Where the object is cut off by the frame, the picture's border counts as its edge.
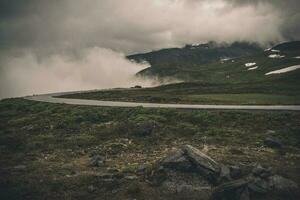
(95, 69)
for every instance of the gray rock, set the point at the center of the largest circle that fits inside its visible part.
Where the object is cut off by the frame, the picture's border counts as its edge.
(260, 171)
(205, 165)
(233, 190)
(235, 172)
(224, 174)
(272, 184)
(258, 185)
(272, 142)
(91, 188)
(176, 160)
(158, 176)
(280, 184)
(97, 161)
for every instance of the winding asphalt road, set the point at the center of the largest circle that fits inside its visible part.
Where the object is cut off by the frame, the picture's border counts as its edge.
(53, 98)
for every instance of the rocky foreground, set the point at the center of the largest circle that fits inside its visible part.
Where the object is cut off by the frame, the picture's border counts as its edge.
(188, 173)
(51, 151)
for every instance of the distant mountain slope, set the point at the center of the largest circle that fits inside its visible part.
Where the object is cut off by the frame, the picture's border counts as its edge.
(196, 54)
(166, 62)
(288, 46)
(263, 77)
(207, 63)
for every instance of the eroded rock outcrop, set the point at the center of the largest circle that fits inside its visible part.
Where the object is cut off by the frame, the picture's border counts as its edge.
(189, 170)
(205, 165)
(177, 160)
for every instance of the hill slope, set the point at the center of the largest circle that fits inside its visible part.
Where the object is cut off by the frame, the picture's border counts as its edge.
(208, 63)
(197, 54)
(170, 62)
(248, 79)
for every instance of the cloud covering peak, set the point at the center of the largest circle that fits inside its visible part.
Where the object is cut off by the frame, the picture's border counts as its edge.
(97, 68)
(134, 26)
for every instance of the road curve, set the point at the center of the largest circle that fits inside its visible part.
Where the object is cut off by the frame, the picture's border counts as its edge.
(53, 98)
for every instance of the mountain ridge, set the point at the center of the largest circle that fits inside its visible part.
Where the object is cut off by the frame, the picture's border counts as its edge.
(213, 62)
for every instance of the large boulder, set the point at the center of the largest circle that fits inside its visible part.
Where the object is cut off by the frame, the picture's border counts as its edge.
(259, 182)
(259, 186)
(225, 175)
(260, 171)
(235, 172)
(281, 184)
(177, 160)
(262, 181)
(233, 190)
(205, 165)
(191, 173)
(97, 161)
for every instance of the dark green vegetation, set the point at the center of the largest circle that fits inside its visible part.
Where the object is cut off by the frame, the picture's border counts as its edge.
(211, 81)
(168, 61)
(204, 62)
(266, 93)
(45, 148)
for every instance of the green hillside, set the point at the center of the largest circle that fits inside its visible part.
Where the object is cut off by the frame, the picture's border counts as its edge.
(207, 64)
(191, 55)
(217, 81)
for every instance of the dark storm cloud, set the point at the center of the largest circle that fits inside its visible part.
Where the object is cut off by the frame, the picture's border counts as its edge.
(289, 11)
(132, 26)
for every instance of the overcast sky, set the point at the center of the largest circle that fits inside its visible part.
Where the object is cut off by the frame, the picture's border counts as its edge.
(43, 28)
(133, 26)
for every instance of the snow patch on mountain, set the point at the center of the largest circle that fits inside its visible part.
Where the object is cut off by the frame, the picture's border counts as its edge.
(276, 56)
(268, 49)
(250, 64)
(284, 70)
(274, 50)
(252, 68)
